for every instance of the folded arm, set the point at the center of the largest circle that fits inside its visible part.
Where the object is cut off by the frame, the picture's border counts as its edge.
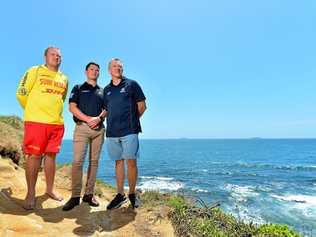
(93, 122)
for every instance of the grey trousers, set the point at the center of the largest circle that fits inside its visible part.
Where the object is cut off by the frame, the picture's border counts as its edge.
(83, 138)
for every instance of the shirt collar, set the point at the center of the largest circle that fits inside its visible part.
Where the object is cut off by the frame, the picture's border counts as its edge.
(122, 80)
(86, 84)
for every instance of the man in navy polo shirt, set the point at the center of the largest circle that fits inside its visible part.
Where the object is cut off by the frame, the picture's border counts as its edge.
(86, 105)
(124, 101)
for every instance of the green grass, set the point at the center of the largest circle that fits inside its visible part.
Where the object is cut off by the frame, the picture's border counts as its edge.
(59, 166)
(99, 185)
(273, 230)
(191, 220)
(154, 198)
(103, 184)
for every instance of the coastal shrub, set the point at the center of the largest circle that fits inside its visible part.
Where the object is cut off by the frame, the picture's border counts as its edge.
(206, 221)
(177, 202)
(195, 221)
(13, 121)
(274, 230)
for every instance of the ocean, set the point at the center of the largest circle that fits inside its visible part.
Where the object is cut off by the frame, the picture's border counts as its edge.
(258, 180)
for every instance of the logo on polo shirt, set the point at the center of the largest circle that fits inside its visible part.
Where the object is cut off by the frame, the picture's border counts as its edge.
(109, 93)
(123, 90)
(83, 91)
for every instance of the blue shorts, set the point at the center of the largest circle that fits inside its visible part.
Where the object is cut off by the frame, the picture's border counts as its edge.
(120, 148)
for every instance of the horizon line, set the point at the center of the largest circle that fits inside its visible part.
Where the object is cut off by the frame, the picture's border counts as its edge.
(226, 138)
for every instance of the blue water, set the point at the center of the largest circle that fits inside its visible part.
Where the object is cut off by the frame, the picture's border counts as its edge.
(260, 180)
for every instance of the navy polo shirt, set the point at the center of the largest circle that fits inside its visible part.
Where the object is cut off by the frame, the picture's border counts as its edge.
(89, 99)
(121, 103)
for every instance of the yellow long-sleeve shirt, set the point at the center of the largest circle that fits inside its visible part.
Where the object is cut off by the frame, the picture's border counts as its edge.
(41, 93)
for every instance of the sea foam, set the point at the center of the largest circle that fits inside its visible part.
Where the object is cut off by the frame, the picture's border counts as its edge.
(159, 183)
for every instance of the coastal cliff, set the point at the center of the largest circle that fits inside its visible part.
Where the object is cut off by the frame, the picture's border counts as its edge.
(159, 215)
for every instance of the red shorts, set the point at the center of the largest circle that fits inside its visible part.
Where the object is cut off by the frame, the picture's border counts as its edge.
(41, 138)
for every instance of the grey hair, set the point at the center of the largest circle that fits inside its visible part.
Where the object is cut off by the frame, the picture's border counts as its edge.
(115, 59)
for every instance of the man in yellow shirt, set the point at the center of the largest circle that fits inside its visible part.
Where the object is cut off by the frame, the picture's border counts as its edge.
(41, 93)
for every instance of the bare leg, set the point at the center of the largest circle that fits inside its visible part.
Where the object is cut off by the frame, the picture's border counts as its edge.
(31, 172)
(50, 169)
(132, 174)
(120, 175)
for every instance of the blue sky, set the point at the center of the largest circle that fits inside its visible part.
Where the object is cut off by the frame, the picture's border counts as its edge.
(209, 69)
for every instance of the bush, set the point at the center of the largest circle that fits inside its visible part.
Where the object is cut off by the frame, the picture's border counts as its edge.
(206, 221)
(13, 121)
(209, 221)
(273, 230)
(11, 135)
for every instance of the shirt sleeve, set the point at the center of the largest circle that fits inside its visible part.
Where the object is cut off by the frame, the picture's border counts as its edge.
(25, 86)
(138, 92)
(105, 101)
(66, 91)
(74, 95)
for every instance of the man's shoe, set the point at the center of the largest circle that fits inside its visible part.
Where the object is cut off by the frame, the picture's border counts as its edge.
(117, 201)
(72, 202)
(134, 200)
(89, 198)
